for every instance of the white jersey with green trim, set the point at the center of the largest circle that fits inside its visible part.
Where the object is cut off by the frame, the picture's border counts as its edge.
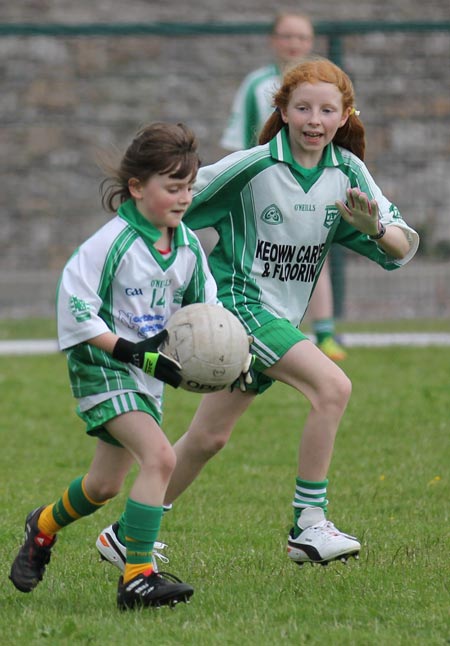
(276, 222)
(252, 106)
(117, 281)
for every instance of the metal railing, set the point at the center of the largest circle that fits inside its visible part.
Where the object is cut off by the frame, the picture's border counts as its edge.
(333, 31)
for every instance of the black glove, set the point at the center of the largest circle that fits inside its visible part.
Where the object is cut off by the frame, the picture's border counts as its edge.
(145, 355)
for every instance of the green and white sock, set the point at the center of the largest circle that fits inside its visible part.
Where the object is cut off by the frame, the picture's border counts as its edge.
(308, 494)
(323, 329)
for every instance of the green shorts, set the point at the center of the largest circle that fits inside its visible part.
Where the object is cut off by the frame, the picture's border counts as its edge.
(271, 341)
(98, 415)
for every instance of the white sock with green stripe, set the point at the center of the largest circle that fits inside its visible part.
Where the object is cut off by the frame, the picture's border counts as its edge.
(308, 495)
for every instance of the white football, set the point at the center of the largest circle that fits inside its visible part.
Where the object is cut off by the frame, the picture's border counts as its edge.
(211, 345)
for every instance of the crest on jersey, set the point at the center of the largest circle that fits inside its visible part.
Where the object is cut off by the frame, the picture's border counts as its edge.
(331, 213)
(79, 308)
(178, 294)
(395, 213)
(272, 215)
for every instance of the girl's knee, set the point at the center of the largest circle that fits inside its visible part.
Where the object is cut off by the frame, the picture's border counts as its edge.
(345, 387)
(210, 441)
(335, 391)
(103, 490)
(168, 459)
(214, 443)
(162, 459)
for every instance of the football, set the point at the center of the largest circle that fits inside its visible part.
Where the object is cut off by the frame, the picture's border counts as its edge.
(210, 344)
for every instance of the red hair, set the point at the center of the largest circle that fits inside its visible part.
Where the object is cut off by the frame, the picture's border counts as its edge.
(351, 135)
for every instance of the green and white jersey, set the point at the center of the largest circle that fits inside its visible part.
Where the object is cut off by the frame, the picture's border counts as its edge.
(252, 106)
(276, 222)
(117, 281)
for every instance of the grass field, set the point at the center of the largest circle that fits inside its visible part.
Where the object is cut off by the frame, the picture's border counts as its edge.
(389, 485)
(46, 328)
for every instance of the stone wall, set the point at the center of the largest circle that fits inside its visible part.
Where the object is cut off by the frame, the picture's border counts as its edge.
(66, 102)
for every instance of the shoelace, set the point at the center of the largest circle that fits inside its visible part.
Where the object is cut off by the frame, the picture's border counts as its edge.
(162, 557)
(332, 530)
(328, 527)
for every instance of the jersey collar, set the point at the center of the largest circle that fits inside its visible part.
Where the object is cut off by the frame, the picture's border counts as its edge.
(281, 151)
(150, 234)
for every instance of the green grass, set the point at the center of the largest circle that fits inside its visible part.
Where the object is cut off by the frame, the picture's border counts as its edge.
(388, 484)
(27, 329)
(46, 328)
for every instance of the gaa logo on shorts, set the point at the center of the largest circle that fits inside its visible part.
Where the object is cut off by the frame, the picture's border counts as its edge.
(272, 215)
(331, 213)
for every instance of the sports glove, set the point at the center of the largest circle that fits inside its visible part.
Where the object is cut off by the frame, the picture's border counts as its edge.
(246, 376)
(360, 212)
(145, 355)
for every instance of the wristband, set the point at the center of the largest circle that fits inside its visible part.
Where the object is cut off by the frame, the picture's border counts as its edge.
(381, 231)
(149, 363)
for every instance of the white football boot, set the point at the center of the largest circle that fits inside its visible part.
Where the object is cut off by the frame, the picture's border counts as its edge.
(111, 549)
(319, 540)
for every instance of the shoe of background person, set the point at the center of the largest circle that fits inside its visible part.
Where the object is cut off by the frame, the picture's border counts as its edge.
(29, 565)
(111, 549)
(332, 349)
(320, 542)
(156, 589)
